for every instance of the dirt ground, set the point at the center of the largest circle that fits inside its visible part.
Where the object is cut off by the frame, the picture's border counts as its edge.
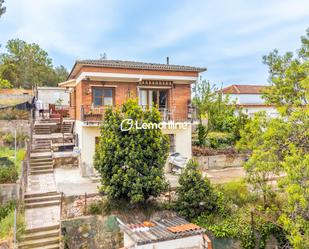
(215, 176)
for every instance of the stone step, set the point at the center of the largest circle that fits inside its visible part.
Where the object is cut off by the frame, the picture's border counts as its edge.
(40, 243)
(31, 195)
(39, 172)
(41, 163)
(42, 204)
(47, 167)
(43, 198)
(40, 235)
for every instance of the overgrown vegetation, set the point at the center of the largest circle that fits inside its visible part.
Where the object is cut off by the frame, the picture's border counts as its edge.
(13, 114)
(9, 169)
(135, 170)
(274, 200)
(223, 120)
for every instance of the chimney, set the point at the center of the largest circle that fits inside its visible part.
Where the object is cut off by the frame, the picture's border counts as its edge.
(167, 60)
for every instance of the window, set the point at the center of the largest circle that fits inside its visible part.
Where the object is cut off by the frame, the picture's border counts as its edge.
(150, 97)
(103, 96)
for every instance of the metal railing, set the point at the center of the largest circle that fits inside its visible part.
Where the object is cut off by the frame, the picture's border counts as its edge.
(96, 113)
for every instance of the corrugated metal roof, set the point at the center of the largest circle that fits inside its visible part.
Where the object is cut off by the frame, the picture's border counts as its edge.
(163, 230)
(140, 65)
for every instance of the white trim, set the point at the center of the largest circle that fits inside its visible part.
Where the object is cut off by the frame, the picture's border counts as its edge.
(137, 77)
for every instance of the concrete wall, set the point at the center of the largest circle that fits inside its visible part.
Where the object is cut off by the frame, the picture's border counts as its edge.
(86, 143)
(182, 140)
(221, 161)
(92, 232)
(50, 95)
(8, 192)
(188, 242)
(270, 111)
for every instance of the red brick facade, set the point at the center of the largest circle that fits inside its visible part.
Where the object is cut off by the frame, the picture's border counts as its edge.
(179, 95)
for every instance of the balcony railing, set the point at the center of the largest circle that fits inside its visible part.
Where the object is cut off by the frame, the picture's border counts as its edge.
(96, 113)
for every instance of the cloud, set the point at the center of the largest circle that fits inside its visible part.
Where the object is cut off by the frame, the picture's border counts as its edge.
(227, 37)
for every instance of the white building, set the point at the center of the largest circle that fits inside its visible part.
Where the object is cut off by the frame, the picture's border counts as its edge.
(53, 95)
(249, 98)
(164, 233)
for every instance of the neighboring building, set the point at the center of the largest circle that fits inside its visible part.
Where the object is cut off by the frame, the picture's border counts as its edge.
(169, 233)
(53, 95)
(249, 98)
(96, 84)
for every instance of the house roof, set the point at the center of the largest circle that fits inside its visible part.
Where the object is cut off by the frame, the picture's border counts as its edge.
(243, 89)
(135, 65)
(16, 91)
(160, 230)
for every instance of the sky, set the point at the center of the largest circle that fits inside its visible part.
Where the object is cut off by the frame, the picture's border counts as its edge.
(227, 37)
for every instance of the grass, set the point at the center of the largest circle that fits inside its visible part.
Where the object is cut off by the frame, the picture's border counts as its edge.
(10, 153)
(7, 226)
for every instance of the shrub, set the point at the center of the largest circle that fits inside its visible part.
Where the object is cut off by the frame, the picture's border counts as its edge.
(237, 192)
(96, 207)
(6, 209)
(219, 140)
(13, 114)
(195, 194)
(8, 171)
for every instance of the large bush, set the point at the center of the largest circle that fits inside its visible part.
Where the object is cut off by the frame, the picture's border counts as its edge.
(195, 194)
(131, 162)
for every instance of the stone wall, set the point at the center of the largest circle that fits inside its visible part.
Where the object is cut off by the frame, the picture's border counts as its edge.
(21, 126)
(8, 192)
(221, 161)
(97, 231)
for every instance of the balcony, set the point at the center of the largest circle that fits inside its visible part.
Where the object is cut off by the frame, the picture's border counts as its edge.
(91, 113)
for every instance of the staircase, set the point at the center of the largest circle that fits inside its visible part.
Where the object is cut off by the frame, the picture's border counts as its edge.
(43, 238)
(67, 127)
(41, 200)
(40, 128)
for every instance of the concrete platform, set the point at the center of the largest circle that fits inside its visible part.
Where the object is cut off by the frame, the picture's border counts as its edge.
(71, 183)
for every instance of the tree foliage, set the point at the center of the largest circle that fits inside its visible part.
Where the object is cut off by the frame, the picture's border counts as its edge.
(219, 111)
(195, 194)
(288, 76)
(131, 162)
(5, 84)
(2, 8)
(27, 65)
(280, 146)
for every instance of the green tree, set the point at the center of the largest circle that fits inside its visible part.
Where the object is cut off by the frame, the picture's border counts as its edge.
(5, 84)
(2, 8)
(219, 111)
(131, 162)
(288, 76)
(280, 146)
(27, 65)
(195, 194)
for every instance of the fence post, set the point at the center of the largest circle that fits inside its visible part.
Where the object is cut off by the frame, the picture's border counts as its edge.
(15, 228)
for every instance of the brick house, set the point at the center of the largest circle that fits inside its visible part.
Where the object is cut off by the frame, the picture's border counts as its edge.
(96, 84)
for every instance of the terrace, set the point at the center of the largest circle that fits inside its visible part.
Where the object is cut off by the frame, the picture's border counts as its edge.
(90, 113)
